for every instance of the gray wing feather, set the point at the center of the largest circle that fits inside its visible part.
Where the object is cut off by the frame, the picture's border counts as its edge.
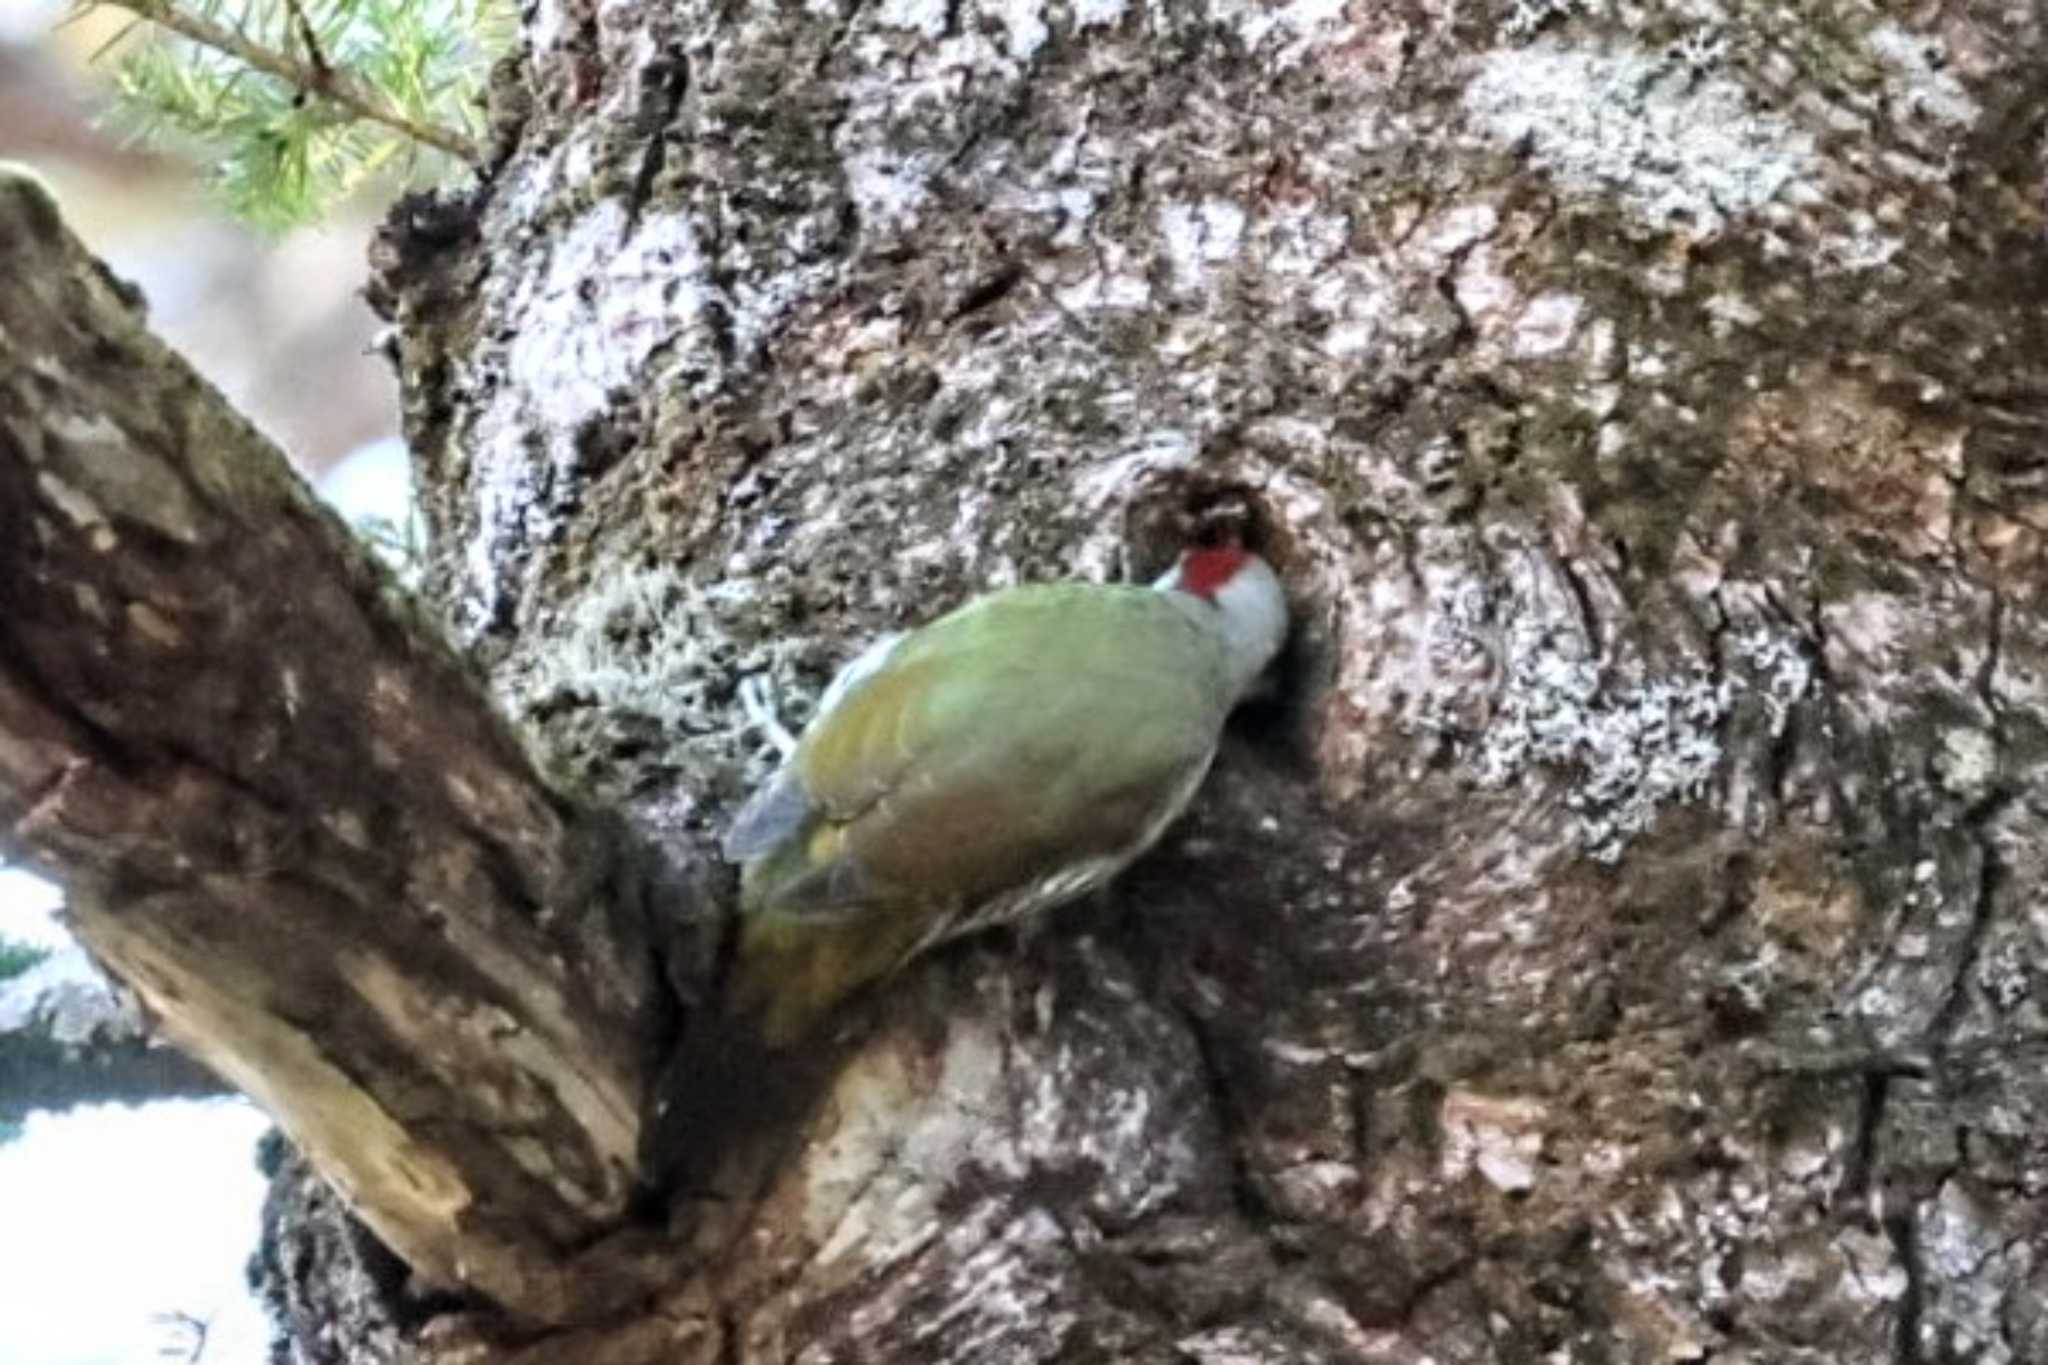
(773, 814)
(782, 808)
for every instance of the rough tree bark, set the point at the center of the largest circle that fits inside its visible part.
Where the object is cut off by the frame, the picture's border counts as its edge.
(1623, 941)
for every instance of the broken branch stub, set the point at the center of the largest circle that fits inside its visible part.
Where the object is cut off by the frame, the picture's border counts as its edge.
(287, 816)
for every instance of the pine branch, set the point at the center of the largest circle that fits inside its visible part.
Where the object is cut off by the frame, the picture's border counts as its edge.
(314, 77)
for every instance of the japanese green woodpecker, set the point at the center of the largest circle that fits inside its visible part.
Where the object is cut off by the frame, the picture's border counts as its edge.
(1006, 758)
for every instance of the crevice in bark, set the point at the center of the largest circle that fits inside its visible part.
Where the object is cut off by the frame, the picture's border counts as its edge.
(1901, 1227)
(1215, 1080)
(1859, 1170)
(1589, 617)
(666, 81)
(729, 1341)
(1981, 821)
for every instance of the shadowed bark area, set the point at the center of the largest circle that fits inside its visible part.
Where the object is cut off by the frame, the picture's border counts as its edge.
(285, 815)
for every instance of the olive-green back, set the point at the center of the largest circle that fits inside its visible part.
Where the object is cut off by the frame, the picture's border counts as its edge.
(1030, 731)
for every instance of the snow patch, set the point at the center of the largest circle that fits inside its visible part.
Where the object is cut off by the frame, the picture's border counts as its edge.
(66, 997)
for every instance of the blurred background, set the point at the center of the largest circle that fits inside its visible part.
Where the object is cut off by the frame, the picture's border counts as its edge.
(277, 322)
(124, 1229)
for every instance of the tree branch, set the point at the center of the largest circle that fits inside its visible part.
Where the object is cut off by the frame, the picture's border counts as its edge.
(285, 814)
(313, 76)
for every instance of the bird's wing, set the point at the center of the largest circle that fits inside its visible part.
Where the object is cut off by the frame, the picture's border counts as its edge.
(781, 808)
(771, 816)
(948, 779)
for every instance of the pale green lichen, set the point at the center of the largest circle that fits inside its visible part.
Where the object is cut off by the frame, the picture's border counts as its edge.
(650, 659)
(635, 642)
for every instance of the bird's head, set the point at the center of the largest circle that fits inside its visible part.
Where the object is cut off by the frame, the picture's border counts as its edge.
(1245, 594)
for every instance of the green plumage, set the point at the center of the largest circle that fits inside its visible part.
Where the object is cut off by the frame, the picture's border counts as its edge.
(1000, 760)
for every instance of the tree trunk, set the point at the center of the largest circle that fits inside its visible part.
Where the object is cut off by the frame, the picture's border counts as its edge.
(1618, 941)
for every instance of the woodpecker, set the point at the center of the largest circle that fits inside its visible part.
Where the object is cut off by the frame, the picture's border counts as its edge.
(1009, 757)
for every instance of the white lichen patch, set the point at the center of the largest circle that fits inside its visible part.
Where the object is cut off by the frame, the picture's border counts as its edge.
(1865, 637)
(1483, 290)
(1966, 762)
(95, 431)
(1294, 27)
(1545, 326)
(1729, 310)
(928, 17)
(999, 1303)
(610, 299)
(648, 643)
(904, 100)
(1024, 26)
(1101, 291)
(1454, 230)
(1167, 448)
(1920, 82)
(1968, 1260)
(1528, 16)
(1780, 668)
(1631, 746)
(889, 187)
(592, 323)
(77, 508)
(1199, 236)
(1507, 675)
(1136, 1157)
(1876, 1276)
(1675, 150)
